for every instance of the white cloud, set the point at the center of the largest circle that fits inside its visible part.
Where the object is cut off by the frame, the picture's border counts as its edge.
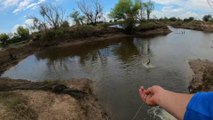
(35, 4)
(198, 5)
(27, 23)
(22, 5)
(171, 11)
(182, 8)
(28, 4)
(8, 3)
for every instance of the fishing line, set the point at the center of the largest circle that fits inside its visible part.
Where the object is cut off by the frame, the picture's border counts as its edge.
(137, 112)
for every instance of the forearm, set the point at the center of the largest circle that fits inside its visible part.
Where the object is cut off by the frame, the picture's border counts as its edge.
(174, 103)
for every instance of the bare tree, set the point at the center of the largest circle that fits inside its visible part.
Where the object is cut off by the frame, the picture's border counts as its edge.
(51, 16)
(92, 11)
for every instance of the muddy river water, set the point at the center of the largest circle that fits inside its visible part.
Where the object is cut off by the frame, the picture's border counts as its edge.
(120, 66)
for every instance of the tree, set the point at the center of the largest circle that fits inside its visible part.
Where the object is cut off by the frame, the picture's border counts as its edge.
(149, 7)
(92, 12)
(65, 24)
(207, 18)
(126, 10)
(75, 15)
(23, 33)
(3, 38)
(173, 19)
(52, 17)
(189, 19)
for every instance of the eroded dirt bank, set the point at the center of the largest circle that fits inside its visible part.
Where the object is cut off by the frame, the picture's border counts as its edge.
(49, 104)
(200, 26)
(203, 76)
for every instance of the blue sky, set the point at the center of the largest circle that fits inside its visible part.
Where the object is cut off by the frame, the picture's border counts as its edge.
(14, 13)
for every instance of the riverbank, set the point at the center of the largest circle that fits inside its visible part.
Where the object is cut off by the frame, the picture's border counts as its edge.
(194, 25)
(203, 76)
(21, 102)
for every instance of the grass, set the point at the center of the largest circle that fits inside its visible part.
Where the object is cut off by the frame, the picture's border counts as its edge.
(16, 106)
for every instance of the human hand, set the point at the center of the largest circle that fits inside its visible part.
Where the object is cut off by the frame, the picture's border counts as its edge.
(152, 95)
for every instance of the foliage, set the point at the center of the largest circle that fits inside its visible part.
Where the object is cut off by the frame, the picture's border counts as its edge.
(65, 24)
(23, 33)
(173, 19)
(83, 31)
(3, 38)
(207, 18)
(126, 10)
(51, 34)
(189, 19)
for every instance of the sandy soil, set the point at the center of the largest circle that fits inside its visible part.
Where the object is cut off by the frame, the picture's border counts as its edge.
(203, 76)
(45, 105)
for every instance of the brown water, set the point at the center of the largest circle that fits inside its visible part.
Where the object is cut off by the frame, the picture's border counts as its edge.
(119, 67)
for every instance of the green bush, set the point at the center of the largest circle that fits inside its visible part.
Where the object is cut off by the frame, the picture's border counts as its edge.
(83, 31)
(4, 38)
(23, 33)
(51, 34)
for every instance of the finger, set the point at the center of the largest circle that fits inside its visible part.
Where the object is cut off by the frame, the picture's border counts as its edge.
(142, 94)
(149, 90)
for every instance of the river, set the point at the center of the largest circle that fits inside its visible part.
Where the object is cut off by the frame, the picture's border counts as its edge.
(120, 66)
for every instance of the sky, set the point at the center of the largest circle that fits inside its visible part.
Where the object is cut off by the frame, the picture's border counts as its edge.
(14, 13)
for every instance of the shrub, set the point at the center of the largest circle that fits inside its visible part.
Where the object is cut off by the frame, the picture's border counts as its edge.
(207, 18)
(150, 25)
(23, 32)
(83, 31)
(3, 38)
(51, 34)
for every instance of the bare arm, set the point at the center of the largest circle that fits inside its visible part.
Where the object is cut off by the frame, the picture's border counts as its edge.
(174, 103)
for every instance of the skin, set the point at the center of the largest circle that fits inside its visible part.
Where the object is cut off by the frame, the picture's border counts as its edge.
(174, 103)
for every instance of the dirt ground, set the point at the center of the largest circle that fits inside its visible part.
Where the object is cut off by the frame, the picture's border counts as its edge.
(203, 76)
(46, 105)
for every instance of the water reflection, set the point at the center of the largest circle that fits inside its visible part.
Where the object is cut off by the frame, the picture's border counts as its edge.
(125, 50)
